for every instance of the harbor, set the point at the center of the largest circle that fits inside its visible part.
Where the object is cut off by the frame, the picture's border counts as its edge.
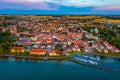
(90, 61)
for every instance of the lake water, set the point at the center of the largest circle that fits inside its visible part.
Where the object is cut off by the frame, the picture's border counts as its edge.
(14, 69)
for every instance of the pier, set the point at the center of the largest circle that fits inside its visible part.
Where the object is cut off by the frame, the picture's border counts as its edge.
(77, 59)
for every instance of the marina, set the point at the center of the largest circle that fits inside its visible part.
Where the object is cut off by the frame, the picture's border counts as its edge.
(90, 61)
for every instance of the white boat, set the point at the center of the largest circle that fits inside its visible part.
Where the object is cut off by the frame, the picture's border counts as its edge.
(92, 58)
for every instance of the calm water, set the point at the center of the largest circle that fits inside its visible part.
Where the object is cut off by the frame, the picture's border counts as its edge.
(12, 69)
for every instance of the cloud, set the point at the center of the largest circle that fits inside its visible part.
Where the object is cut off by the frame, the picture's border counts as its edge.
(109, 8)
(74, 3)
(26, 4)
(55, 4)
(83, 3)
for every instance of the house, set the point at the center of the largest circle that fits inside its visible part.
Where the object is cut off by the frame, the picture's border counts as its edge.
(98, 48)
(107, 44)
(90, 49)
(34, 38)
(48, 41)
(68, 49)
(69, 42)
(42, 46)
(78, 49)
(38, 51)
(17, 49)
(90, 36)
(73, 48)
(64, 45)
(28, 43)
(53, 53)
(62, 53)
(78, 36)
(105, 50)
(114, 49)
(39, 41)
(110, 47)
(79, 43)
(85, 49)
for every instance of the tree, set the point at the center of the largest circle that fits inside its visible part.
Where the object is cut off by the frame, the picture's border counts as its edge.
(1, 50)
(6, 42)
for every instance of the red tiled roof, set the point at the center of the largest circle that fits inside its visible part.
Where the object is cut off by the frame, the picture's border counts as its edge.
(114, 47)
(16, 48)
(70, 34)
(105, 42)
(52, 51)
(78, 35)
(63, 53)
(37, 50)
(78, 43)
(40, 41)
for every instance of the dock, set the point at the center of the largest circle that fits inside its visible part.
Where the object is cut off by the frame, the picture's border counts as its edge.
(98, 67)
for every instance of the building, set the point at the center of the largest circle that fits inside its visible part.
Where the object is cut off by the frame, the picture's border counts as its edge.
(17, 49)
(63, 53)
(38, 51)
(14, 29)
(53, 53)
(111, 48)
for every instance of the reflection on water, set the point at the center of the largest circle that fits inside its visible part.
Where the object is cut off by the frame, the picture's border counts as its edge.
(101, 58)
(104, 61)
(27, 69)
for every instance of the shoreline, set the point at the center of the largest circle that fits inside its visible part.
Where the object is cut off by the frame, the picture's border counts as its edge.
(99, 54)
(34, 58)
(58, 58)
(52, 58)
(97, 67)
(105, 55)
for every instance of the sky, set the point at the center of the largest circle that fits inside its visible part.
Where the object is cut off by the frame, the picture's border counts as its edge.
(76, 7)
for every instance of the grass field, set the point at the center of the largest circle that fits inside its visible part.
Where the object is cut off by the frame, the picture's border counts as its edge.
(107, 20)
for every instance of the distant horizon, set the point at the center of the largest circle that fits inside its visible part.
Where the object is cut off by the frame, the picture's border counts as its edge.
(65, 14)
(35, 12)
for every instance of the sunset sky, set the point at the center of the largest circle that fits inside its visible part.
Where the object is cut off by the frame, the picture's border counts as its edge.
(60, 7)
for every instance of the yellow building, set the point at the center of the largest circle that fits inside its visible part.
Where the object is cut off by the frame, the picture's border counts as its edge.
(53, 53)
(17, 49)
